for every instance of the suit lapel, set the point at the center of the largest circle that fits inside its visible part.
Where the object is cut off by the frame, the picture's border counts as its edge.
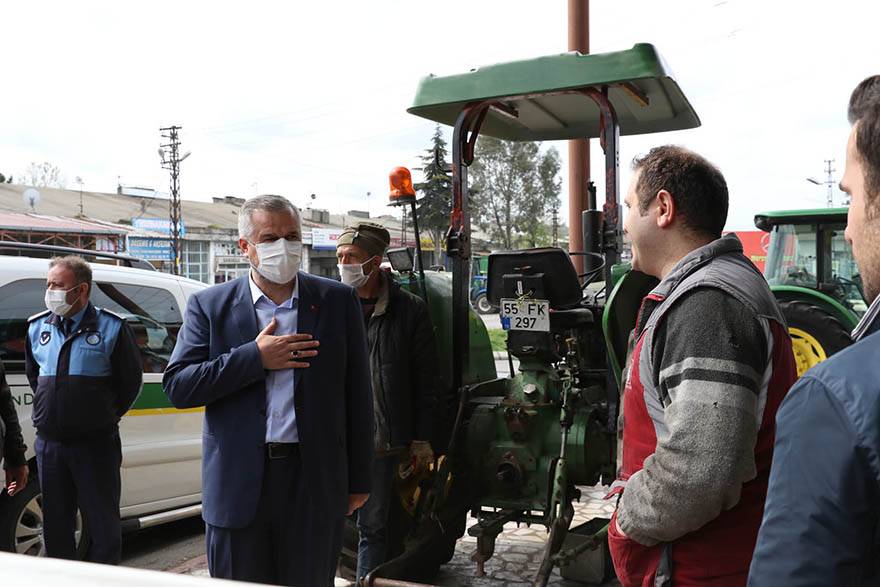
(244, 312)
(308, 307)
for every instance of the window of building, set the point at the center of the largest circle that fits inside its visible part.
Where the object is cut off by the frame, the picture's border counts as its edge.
(152, 313)
(195, 261)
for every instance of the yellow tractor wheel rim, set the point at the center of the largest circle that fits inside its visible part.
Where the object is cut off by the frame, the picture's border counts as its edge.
(807, 350)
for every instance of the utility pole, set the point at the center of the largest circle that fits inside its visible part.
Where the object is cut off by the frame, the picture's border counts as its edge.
(556, 222)
(80, 182)
(578, 149)
(169, 152)
(829, 182)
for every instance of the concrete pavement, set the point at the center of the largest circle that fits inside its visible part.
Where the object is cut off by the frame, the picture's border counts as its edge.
(518, 552)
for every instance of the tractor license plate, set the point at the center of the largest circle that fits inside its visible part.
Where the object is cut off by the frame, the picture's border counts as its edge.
(525, 315)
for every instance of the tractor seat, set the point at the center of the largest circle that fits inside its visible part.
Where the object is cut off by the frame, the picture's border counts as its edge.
(573, 318)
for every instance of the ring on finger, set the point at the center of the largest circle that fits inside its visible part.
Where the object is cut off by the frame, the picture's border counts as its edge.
(294, 354)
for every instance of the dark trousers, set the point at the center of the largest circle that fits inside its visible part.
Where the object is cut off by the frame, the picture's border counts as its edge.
(84, 473)
(290, 541)
(372, 518)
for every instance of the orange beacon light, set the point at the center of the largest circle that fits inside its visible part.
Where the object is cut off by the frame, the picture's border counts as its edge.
(402, 191)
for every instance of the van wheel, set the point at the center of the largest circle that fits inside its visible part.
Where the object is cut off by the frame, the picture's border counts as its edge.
(21, 524)
(482, 304)
(815, 333)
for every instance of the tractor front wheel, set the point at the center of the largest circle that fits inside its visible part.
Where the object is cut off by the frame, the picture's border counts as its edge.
(816, 334)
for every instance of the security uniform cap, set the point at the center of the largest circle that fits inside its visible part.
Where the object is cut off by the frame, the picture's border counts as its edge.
(372, 238)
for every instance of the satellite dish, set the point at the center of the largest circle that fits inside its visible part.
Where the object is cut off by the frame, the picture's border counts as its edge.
(31, 197)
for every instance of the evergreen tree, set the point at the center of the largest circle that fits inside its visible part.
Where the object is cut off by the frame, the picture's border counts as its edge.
(435, 205)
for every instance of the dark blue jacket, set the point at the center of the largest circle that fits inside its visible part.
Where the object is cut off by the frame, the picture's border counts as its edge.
(83, 383)
(216, 364)
(822, 516)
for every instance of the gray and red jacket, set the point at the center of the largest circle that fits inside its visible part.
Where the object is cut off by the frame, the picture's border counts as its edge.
(711, 363)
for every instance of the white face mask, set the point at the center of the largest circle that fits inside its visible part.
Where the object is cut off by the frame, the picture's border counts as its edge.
(56, 301)
(353, 275)
(279, 260)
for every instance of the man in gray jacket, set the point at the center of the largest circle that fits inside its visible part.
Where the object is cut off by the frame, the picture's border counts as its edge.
(822, 517)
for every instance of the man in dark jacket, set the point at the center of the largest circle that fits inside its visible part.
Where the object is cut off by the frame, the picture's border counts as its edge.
(822, 518)
(403, 360)
(12, 447)
(85, 370)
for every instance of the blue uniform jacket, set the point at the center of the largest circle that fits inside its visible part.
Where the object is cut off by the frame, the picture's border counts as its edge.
(216, 364)
(83, 383)
(822, 517)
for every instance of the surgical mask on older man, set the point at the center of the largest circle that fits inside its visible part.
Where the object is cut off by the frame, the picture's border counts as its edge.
(353, 275)
(56, 301)
(279, 260)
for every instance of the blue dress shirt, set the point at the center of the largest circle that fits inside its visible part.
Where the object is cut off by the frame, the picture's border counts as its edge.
(280, 388)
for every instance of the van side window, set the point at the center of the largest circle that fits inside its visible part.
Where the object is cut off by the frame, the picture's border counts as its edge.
(152, 313)
(18, 301)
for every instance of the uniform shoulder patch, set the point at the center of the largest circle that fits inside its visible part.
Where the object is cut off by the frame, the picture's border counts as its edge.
(38, 315)
(111, 313)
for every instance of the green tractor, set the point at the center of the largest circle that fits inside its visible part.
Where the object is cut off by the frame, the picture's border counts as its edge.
(516, 448)
(811, 270)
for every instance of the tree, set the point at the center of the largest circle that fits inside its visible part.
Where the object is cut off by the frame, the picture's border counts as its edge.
(435, 206)
(514, 188)
(44, 174)
(2, 178)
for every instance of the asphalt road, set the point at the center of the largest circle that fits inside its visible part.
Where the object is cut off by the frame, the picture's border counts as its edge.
(164, 547)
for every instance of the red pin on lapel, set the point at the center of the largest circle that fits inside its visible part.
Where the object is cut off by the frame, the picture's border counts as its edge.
(313, 307)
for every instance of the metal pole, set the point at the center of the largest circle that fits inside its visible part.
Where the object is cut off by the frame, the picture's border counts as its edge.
(173, 165)
(458, 248)
(458, 238)
(578, 149)
(829, 171)
(612, 233)
(418, 238)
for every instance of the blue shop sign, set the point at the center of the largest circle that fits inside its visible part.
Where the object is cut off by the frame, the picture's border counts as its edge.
(151, 249)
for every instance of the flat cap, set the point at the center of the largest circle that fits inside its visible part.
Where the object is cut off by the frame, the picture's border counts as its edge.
(372, 238)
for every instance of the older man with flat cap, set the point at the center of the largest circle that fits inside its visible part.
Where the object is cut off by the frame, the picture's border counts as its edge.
(403, 360)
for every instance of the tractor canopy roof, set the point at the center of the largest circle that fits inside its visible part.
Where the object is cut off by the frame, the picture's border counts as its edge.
(767, 220)
(544, 96)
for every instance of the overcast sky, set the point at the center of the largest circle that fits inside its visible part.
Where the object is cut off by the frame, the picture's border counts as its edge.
(310, 97)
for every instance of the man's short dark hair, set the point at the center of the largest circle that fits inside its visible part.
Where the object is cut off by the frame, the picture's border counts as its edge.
(697, 187)
(868, 148)
(81, 270)
(866, 95)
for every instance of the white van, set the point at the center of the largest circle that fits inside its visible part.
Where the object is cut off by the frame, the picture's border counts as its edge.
(161, 445)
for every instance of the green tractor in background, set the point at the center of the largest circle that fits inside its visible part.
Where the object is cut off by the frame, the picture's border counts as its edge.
(811, 270)
(514, 449)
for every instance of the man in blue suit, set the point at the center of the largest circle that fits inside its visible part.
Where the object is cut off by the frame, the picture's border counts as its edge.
(279, 360)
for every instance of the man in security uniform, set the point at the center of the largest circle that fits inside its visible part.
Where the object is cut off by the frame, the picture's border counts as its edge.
(85, 370)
